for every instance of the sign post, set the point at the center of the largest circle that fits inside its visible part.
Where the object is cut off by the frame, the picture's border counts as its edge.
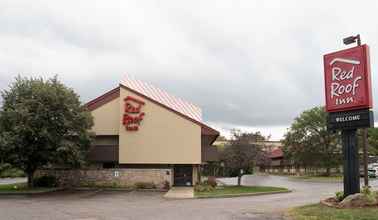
(351, 162)
(348, 102)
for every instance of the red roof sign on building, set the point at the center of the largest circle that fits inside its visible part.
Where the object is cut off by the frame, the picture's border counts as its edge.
(347, 79)
(132, 115)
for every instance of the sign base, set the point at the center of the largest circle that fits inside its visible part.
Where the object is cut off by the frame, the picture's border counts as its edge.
(348, 122)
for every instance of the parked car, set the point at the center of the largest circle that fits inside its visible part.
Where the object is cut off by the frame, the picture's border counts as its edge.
(371, 173)
(374, 166)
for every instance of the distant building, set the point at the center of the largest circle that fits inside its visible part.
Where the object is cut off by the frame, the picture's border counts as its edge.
(276, 157)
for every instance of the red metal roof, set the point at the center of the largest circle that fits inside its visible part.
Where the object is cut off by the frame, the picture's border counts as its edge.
(276, 153)
(186, 108)
(183, 108)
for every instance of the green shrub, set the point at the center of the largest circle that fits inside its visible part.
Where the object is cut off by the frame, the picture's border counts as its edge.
(369, 195)
(339, 196)
(6, 170)
(87, 184)
(4, 166)
(45, 181)
(115, 185)
(366, 190)
(145, 185)
(203, 187)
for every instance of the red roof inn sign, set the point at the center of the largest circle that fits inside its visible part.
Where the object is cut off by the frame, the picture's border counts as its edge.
(348, 87)
(347, 79)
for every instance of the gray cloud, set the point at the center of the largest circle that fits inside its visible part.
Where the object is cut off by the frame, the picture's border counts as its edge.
(246, 63)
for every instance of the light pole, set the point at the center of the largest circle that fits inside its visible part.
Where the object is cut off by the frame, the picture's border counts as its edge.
(347, 41)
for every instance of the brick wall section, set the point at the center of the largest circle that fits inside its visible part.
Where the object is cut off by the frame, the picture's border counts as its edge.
(107, 178)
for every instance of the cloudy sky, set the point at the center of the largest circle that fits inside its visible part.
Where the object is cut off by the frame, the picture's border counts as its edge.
(253, 65)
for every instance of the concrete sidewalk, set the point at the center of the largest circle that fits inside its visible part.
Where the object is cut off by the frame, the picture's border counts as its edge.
(180, 193)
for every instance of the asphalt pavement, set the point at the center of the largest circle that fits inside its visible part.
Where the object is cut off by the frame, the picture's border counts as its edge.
(114, 205)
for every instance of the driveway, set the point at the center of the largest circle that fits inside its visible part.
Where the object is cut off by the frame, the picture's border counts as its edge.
(100, 205)
(303, 192)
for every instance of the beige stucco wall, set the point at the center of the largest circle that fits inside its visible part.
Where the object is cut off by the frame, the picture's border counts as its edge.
(106, 118)
(163, 137)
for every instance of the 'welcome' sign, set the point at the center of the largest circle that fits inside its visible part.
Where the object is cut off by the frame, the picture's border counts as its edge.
(347, 79)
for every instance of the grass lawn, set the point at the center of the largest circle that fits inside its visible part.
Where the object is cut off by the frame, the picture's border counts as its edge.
(21, 188)
(229, 191)
(13, 187)
(318, 178)
(319, 212)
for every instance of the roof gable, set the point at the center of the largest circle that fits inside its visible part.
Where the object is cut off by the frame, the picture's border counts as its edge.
(183, 108)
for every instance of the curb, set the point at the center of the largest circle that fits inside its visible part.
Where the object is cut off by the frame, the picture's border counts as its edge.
(242, 194)
(99, 189)
(118, 189)
(178, 198)
(27, 193)
(315, 180)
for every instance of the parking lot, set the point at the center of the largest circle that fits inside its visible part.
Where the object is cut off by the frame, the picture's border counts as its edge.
(116, 205)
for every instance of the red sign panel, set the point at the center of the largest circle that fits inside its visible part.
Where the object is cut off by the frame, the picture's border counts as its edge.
(132, 115)
(347, 79)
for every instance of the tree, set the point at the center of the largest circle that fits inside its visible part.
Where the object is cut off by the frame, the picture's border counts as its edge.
(242, 152)
(2, 148)
(221, 138)
(309, 143)
(42, 122)
(373, 141)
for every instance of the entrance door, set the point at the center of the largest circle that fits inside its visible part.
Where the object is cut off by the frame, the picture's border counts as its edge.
(183, 175)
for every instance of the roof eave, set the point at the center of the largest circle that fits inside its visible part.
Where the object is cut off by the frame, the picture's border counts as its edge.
(103, 99)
